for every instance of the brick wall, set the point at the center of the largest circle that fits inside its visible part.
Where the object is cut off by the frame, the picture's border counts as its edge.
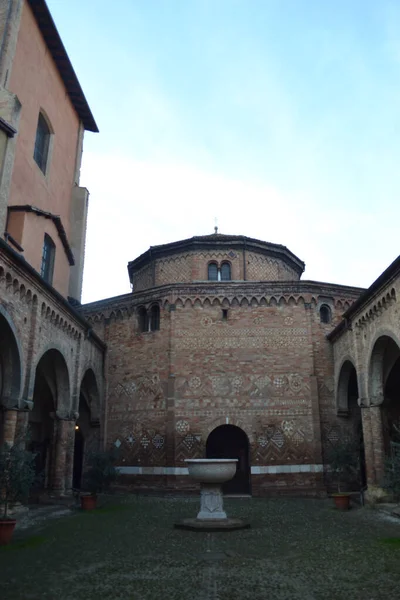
(264, 366)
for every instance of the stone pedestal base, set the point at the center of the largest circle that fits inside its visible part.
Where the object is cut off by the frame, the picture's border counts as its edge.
(211, 502)
(210, 525)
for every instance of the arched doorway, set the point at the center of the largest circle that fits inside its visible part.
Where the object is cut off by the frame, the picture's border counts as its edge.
(384, 387)
(10, 372)
(51, 394)
(229, 441)
(349, 408)
(87, 429)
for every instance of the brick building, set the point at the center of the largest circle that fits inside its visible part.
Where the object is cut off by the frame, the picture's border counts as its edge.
(51, 365)
(221, 349)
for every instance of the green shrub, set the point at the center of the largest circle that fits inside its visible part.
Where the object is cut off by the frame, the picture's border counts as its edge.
(17, 474)
(343, 459)
(101, 472)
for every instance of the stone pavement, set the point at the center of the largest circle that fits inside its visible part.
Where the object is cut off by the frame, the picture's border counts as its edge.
(297, 549)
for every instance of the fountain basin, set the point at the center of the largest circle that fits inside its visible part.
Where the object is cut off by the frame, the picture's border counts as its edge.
(211, 473)
(212, 470)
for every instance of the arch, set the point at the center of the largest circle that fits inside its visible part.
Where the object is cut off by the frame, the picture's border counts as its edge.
(48, 259)
(44, 131)
(52, 365)
(225, 303)
(10, 364)
(325, 314)
(143, 321)
(51, 399)
(230, 441)
(226, 274)
(384, 390)
(87, 428)
(212, 271)
(385, 349)
(348, 406)
(347, 378)
(154, 318)
(300, 300)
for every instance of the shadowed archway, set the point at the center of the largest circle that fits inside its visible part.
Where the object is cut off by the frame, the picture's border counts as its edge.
(229, 441)
(349, 409)
(10, 371)
(51, 395)
(87, 429)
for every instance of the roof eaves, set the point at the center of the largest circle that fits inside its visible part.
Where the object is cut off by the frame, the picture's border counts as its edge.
(56, 47)
(57, 222)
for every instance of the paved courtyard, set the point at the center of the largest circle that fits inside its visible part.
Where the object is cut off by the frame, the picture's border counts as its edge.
(297, 549)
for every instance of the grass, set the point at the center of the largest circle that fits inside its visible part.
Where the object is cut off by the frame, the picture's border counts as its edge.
(297, 549)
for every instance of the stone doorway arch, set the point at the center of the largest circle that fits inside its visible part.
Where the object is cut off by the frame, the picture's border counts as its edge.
(384, 393)
(10, 380)
(385, 387)
(350, 410)
(87, 428)
(230, 441)
(51, 404)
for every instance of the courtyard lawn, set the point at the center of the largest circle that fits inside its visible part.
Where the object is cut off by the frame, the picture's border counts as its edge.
(297, 549)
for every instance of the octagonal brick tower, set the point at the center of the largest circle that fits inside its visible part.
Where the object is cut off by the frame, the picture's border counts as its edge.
(187, 261)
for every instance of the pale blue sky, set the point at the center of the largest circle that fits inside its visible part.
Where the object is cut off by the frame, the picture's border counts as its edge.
(279, 117)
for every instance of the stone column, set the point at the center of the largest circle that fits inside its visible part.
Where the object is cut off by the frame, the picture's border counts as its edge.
(22, 426)
(368, 444)
(9, 425)
(378, 442)
(69, 454)
(58, 480)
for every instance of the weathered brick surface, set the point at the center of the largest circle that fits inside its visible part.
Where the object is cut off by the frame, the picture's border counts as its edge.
(264, 366)
(371, 344)
(39, 322)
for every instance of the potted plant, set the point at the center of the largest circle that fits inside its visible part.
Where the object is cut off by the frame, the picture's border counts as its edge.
(17, 474)
(100, 474)
(344, 466)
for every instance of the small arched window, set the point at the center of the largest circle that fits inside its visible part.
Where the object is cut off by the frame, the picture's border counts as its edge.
(225, 272)
(48, 256)
(325, 314)
(155, 318)
(213, 272)
(42, 143)
(143, 321)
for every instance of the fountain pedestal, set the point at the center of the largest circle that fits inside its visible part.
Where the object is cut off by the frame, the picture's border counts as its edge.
(211, 502)
(211, 473)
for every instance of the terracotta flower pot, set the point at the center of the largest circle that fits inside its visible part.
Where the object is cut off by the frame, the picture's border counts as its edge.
(88, 502)
(6, 530)
(342, 501)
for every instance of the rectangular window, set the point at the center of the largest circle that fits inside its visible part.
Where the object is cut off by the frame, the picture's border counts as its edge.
(48, 256)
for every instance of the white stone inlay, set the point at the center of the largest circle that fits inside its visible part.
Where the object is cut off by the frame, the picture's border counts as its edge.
(255, 470)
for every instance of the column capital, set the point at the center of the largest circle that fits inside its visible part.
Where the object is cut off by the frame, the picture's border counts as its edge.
(376, 399)
(9, 403)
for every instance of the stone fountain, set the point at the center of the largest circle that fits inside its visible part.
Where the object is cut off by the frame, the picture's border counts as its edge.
(211, 473)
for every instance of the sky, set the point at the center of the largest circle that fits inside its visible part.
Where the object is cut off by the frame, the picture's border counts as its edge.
(278, 118)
